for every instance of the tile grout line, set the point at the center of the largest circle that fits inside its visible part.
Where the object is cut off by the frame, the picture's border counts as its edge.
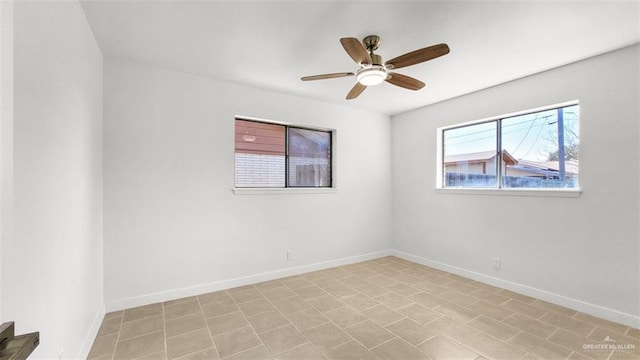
(355, 324)
(113, 355)
(164, 320)
(249, 324)
(329, 320)
(368, 319)
(115, 348)
(281, 313)
(192, 331)
(215, 348)
(141, 335)
(514, 335)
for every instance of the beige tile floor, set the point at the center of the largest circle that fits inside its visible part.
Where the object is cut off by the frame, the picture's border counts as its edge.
(386, 308)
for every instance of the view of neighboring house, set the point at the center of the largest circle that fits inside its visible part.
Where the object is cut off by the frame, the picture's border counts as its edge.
(260, 152)
(483, 162)
(543, 169)
(479, 168)
(261, 155)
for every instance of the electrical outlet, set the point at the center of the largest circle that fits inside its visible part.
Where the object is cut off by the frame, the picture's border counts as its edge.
(289, 255)
(496, 263)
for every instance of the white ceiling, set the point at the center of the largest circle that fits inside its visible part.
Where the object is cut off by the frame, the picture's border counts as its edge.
(271, 44)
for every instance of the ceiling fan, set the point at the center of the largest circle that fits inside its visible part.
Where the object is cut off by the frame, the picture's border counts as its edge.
(373, 71)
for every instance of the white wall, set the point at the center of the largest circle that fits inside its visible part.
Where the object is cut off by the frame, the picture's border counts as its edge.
(582, 252)
(52, 264)
(173, 227)
(6, 128)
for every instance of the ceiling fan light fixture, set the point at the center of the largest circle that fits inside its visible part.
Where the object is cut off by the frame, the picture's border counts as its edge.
(372, 75)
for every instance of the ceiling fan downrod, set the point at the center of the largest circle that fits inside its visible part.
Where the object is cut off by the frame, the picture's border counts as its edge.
(371, 43)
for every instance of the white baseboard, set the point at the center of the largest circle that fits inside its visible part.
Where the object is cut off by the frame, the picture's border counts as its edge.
(240, 281)
(587, 308)
(91, 334)
(578, 305)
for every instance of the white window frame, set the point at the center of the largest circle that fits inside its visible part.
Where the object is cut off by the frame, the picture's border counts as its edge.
(499, 190)
(290, 190)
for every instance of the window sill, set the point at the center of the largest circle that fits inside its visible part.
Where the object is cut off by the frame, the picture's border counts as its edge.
(565, 193)
(282, 191)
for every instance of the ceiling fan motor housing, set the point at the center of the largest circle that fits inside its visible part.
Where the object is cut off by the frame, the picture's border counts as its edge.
(371, 42)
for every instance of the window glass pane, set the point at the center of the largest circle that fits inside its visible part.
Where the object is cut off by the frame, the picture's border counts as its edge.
(541, 149)
(470, 156)
(309, 158)
(260, 154)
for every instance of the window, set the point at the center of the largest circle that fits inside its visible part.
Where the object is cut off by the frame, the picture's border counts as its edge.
(271, 155)
(537, 150)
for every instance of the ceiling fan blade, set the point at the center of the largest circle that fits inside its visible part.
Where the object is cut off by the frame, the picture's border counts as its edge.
(405, 81)
(418, 56)
(356, 91)
(326, 76)
(354, 48)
